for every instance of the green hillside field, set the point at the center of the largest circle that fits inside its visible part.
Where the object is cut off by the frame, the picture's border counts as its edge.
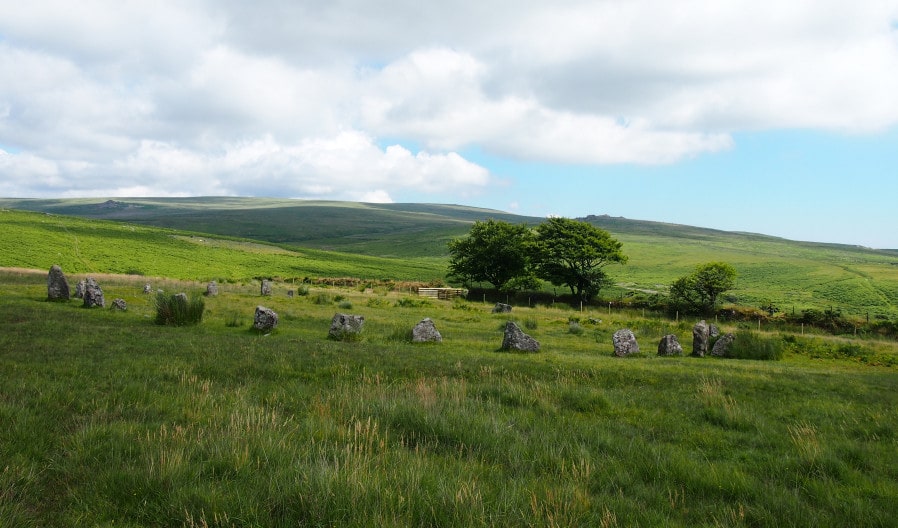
(111, 420)
(411, 241)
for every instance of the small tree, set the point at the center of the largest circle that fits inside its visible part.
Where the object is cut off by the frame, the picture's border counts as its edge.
(572, 253)
(700, 290)
(495, 252)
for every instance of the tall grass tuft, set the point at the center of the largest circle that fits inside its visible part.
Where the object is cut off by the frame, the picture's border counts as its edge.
(751, 345)
(179, 310)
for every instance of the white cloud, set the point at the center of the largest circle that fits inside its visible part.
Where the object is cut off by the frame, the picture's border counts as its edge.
(294, 97)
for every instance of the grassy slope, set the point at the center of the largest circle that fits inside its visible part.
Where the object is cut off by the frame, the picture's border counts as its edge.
(36, 240)
(793, 275)
(126, 423)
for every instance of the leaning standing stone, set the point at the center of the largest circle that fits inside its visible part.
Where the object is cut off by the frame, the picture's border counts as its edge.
(516, 339)
(147, 289)
(345, 326)
(700, 339)
(57, 285)
(624, 342)
(120, 304)
(212, 289)
(502, 308)
(426, 332)
(722, 346)
(265, 319)
(670, 346)
(93, 294)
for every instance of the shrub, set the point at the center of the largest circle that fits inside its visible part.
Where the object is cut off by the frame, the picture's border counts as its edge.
(178, 310)
(412, 302)
(322, 298)
(531, 323)
(302, 290)
(346, 305)
(574, 328)
(751, 345)
(377, 302)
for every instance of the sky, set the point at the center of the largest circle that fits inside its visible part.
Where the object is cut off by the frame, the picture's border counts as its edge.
(764, 116)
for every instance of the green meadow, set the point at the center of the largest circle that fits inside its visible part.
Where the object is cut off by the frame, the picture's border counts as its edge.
(111, 420)
(409, 241)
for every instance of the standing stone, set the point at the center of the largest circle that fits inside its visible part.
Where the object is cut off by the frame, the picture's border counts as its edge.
(265, 319)
(290, 293)
(147, 289)
(624, 342)
(516, 339)
(93, 294)
(345, 326)
(502, 308)
(57, 285)
(700, 339)
(670, 346)
(426, 332)
(713, 331)
(79, 289)
(266, 287)
(722, 346)
(119, 304)
(212, 289)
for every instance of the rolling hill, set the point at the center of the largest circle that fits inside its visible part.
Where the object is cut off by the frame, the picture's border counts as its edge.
(408, 239)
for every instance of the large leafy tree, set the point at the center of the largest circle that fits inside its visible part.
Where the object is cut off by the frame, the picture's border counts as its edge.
(700, 290)
(496, 252)
(573, 253)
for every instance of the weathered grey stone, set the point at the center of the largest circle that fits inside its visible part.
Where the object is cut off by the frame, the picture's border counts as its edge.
(713, 331)
(722, 346)
(147, 289)
(290, 293)
(79, 289)
(426, 332)
(212, 289)
(670, 346)
(265, 319)
(344, 326)
(266, 288)
(119, 304)
(700, 339)
(624, 343)
(502, 308)
(516, 339)
(93, 294)
(57, 285)
(182, 297)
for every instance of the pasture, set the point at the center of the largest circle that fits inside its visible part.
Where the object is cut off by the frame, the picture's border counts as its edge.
(112, 420)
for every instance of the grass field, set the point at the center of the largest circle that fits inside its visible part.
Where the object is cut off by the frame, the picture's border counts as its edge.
(408, 242)
(110, 420)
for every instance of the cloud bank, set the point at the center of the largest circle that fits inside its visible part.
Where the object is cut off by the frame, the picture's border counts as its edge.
(362, 100)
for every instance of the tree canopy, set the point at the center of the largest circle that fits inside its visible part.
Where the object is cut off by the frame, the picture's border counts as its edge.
(699, 291)
(572, 253)
(496, 252)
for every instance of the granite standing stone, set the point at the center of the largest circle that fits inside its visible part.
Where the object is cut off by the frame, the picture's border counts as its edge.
(266, 288)
(426, 332)
(119, 304)
(722, 346)
(93, 294)
(212, 289)
(147, 289)
(670, 346)
(344, 326)
(624, 342)
(502, 308)
(700, 339)
(57, 285)
(516, 339)
(265, 319)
